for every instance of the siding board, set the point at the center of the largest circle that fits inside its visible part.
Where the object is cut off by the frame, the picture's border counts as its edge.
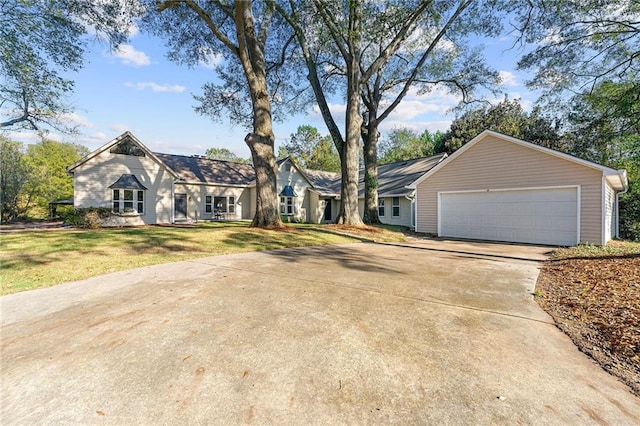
(494, 163)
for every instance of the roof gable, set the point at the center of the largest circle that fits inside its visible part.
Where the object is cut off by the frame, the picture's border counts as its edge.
(126, 144)
(617, 178)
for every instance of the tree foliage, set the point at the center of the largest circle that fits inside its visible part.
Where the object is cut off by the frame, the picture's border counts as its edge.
(405, 144)
(604, 127)
(34, 177)
(507, 117)
(311, 150)
(48, 179)
(580, 43)
(41, 42)
(14, 173)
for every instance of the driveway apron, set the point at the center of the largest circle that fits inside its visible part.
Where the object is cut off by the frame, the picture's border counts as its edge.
(423, 333)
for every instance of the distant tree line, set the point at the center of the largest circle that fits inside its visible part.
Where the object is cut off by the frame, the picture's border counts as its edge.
(33, 176)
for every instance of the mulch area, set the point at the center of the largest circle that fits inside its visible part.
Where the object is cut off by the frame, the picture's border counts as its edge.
(595, 300)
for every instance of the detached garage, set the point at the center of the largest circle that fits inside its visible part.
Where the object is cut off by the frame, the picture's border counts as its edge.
(504, 189)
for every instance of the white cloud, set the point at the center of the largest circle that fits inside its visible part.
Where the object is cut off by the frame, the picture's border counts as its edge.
(119, 127)
(508, 78)
(128, 55)
(26, 137)
(175, 88)
(418, 126)
(212, 61)
(74, 119)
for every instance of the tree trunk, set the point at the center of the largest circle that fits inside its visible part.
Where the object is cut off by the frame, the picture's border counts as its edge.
(370, 140)
(264, 162)
(262, 141)
(349, 214)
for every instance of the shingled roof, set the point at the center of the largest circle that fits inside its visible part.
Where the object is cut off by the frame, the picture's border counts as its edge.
(394, 177)
(202, 169)
(325, 183)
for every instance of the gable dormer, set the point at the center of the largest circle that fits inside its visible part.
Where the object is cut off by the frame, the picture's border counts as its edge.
(127, 146)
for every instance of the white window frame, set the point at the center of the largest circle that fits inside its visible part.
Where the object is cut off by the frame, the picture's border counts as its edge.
(287, 206)
(210, 204)
(381, 207)
(395, 207)
(119, 201)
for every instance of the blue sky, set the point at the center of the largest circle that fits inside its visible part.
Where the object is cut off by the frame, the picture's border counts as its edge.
(137, 89)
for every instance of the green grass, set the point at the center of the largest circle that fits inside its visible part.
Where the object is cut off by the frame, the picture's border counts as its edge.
(612, 248)
(33, 259)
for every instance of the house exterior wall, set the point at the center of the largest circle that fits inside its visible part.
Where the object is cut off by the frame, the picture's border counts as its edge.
(609, 212)
(196, 196)
(494, 163)
(404, 219)
(303, 205)
(316, 208)
(246, 201)
(93, 178)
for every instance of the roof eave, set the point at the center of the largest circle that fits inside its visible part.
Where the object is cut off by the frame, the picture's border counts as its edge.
(147, 151)
(198, 182)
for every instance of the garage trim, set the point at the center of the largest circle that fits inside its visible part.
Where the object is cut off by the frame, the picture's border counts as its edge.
(533, 188)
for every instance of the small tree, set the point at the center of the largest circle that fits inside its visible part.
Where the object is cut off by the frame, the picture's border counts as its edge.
(225, 155)
(48, 179)
(14, 173)
(405, 144)
(311, 150)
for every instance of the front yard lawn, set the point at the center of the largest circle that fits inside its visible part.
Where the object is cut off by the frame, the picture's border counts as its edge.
(33, 259)
(593, 294)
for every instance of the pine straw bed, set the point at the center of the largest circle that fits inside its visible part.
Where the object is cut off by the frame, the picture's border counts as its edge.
(593, 294)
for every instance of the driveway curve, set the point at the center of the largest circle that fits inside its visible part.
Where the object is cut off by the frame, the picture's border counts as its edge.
(428, 332)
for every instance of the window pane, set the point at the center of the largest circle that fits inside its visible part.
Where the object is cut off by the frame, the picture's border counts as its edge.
(289, 205)
(140, 196)
(128, 194)
(207, 199)
(207, 208)
(116, 194)
(232, 205)
(128, 206)
(140, 208)
(116, 206)
(396, 201)
(220, 204)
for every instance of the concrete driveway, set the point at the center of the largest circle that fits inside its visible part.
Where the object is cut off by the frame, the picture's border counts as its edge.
(424, 333)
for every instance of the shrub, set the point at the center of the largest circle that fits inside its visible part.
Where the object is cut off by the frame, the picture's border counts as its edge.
(89, 217)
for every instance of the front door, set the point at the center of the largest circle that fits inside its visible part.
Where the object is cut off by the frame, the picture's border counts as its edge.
(327, 210)
(180, 206)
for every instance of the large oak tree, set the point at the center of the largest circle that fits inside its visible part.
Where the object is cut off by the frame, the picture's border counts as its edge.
(244, 34)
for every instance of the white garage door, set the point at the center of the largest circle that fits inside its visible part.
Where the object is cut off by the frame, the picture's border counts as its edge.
(538, 216)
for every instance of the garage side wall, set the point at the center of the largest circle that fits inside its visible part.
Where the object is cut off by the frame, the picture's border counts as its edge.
(493, 163)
